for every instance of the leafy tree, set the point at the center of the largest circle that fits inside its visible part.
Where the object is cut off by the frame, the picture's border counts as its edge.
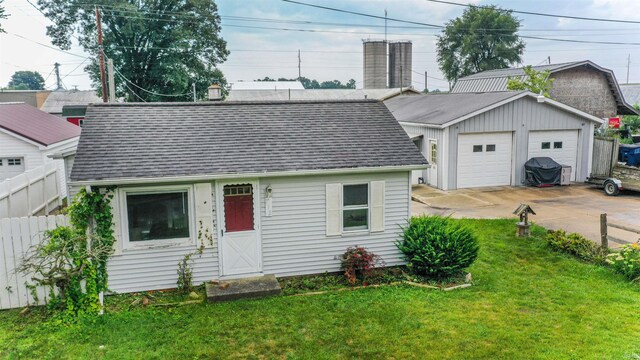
(162, 46)
(632, 122)
(26, 80)
(535, 81)
(483, 38)
(2, 15)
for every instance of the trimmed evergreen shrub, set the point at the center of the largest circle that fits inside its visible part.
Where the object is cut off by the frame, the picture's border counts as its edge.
(438, 247)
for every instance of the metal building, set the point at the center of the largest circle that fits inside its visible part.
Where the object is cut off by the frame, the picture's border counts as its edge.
(400, 53)
(375, 64)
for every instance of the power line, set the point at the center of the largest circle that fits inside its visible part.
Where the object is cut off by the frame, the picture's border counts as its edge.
(441, 26)
(539, 14)
(47, 46)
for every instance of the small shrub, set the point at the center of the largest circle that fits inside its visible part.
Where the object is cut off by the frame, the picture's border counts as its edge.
(438, 247)
(626, 261)
(576, 245)
(185, 275)
(359, 263)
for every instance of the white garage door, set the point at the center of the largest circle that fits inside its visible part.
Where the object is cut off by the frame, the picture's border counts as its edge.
(560, 145)
(484, 159)
(10, 167)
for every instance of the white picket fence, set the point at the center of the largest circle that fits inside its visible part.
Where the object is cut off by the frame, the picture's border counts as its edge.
(34, 192)
(17, 236)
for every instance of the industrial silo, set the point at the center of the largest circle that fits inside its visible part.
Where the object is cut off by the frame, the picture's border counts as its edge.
(375, 64)
(400, 53)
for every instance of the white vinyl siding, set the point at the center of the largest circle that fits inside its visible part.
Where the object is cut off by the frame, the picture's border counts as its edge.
(12, 147)
(156, 268)
(294, 238)
(560, 145)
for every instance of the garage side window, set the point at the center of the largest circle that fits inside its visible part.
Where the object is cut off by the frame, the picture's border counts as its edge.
(557, 145)
(477, 148)
(546, 145)
(433, 149)
(14, 161)
(157, 216)
(491, 147)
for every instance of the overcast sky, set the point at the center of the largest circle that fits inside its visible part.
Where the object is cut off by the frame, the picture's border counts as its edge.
(334, 51)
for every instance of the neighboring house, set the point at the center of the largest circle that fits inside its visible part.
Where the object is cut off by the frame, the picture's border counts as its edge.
(583, 85)
(278, 188)
(319, 94)
(631, 93)
(70, 104)
(28, 136)
(35, 98)
(475, 140)
(266, 85)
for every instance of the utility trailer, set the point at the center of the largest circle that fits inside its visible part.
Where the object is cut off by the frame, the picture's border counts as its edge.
(607, 172)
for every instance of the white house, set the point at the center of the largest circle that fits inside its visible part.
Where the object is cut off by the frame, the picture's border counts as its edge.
(279, 188)
(28, 136)
(484, 139)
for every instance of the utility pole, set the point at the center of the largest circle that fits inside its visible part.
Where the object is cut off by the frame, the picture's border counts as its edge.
(426, 88)
(103, 79)
(299, 61)
(112, 83)
(628, 65)
(58, 80)
(193, 88)
(385, 26)
(401, 79)
(549, 59)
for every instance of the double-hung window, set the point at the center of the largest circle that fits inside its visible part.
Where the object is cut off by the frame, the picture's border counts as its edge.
(355, 207)
(157, 217)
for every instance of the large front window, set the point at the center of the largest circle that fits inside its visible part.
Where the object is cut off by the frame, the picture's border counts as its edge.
(158, 215)
(355, 207)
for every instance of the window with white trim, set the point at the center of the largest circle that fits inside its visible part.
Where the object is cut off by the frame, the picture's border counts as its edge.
(355, 207)
(433, 149)
(157, 216)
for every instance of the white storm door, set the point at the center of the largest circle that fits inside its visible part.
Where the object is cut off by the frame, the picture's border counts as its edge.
(432, 158)
(560, 145)
(240, 248)
(484, 159)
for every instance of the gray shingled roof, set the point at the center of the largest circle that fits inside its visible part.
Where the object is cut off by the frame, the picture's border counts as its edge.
(439, 109)
(156, 140)
(59, 98)
(496, 80)
(631, 93)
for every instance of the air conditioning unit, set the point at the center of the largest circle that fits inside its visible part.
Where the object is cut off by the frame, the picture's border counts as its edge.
(565, 176)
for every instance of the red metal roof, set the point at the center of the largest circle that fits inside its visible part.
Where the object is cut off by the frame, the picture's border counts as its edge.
(33, 124)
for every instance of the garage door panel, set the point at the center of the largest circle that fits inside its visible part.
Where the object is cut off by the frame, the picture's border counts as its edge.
(560, 145)
(484, 159)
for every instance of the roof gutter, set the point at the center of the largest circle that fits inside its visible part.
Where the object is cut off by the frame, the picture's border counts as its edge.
(204, 178)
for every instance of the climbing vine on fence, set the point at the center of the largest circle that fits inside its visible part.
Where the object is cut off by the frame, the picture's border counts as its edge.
(72, 260)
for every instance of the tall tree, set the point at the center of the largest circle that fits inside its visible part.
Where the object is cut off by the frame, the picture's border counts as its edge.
(2, 15)
(538, 82)
(483, 38)
(26, 80)
(161, 46)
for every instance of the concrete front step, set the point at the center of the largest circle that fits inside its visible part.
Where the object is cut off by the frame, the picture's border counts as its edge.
(253, 287)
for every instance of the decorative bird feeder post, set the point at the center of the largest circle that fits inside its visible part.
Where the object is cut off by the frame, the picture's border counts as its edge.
(523, 227)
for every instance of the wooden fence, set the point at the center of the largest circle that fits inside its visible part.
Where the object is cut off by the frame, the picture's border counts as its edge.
(605, 236)
(605, 156)
(34, 192)
(17, 236)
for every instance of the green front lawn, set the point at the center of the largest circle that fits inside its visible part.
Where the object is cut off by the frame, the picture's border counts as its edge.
(526, 303)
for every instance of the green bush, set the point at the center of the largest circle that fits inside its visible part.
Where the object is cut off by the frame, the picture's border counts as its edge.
(626, 261)
(437, 247)
(576, 245)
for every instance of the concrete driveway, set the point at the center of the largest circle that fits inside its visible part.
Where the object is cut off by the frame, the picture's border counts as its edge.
(574, 208)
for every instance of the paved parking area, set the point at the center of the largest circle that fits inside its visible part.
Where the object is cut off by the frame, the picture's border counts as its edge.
(574, 208)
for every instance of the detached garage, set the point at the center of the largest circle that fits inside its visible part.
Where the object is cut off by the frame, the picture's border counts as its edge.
(484, 139)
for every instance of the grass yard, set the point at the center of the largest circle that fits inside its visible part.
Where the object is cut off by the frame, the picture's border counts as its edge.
(527, 302)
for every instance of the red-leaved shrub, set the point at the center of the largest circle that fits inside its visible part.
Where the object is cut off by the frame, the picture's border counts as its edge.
(359, 263)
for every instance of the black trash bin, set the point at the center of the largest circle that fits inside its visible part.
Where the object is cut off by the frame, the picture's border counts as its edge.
(542, 172)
